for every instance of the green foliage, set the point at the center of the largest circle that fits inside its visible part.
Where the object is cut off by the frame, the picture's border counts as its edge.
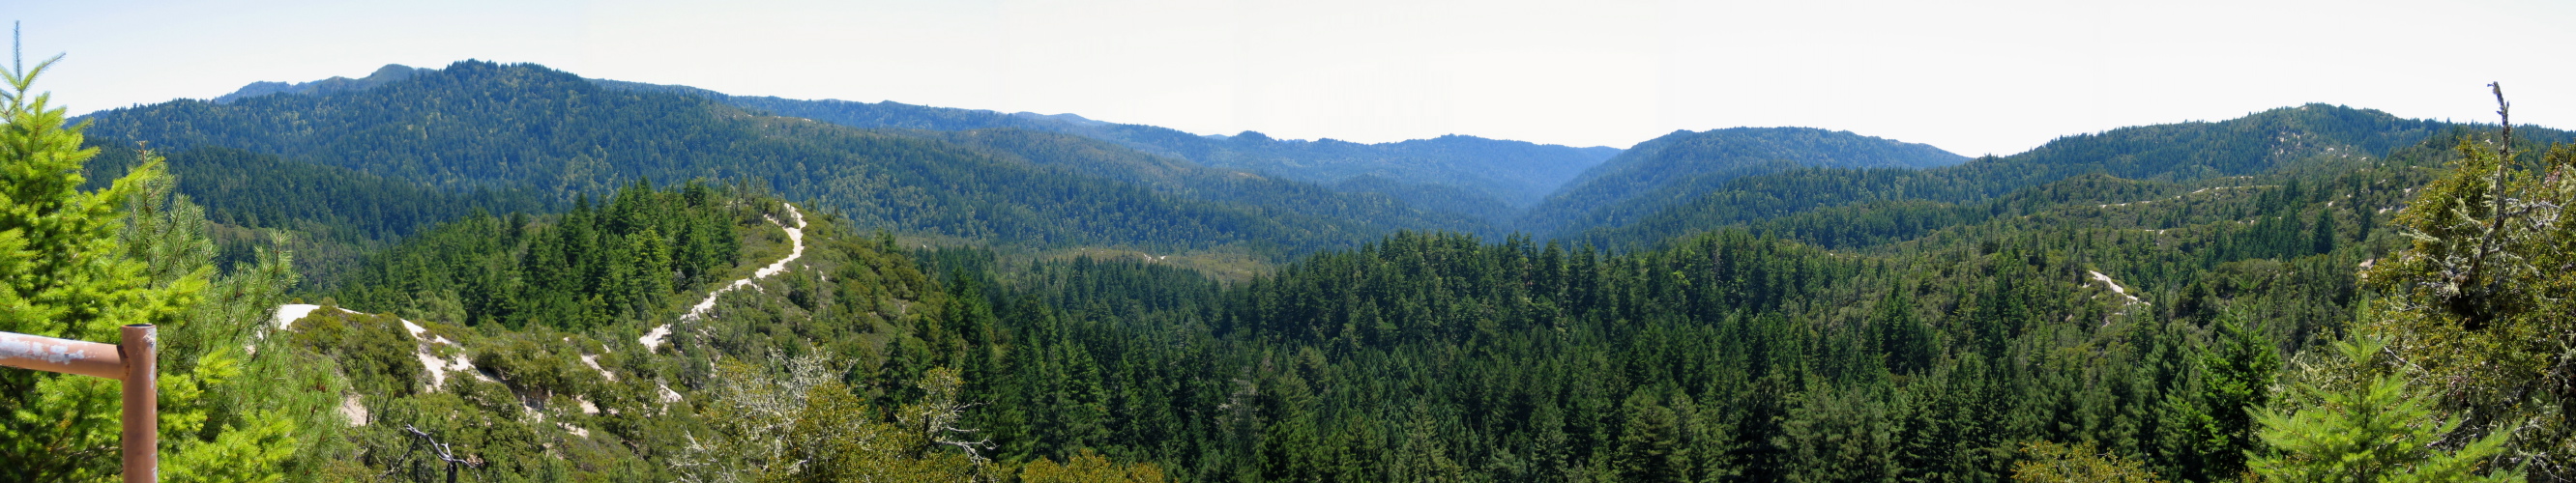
(2142, 317)
(2057, 463)
(334, 214)
(66, 274)
(1354, 205)
(801, 425)
(374, 350)
(2217, 425)
(79, 263)
(2376, 430)
(1661, 172)
(1500, 172)
(2314, 142)
(2470, 305)
(561, 136)
(622, 260)
(1730, 355)
(2130, 293)
(1086, 467)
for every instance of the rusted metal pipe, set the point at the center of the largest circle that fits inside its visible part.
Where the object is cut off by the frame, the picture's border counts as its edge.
(130, 361)
(140, 345)
(60, 355)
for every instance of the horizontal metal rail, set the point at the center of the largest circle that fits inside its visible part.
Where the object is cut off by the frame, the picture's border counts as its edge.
(129, 361)
(59, 355)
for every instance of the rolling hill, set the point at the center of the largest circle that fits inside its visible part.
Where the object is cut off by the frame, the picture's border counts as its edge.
(2274, 144)
(1677, 166)
(1776, 304)
(1514, 173)
(480, 125)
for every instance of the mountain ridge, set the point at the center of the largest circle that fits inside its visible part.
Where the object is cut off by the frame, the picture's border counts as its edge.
(382, 75)
(1534, 169)
(2263, 143)
(480, 124)
(1670, 168)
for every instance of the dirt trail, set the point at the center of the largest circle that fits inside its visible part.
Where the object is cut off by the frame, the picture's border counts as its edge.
(796, 240)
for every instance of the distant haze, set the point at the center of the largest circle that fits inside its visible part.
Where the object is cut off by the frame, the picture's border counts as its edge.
(1988, 77)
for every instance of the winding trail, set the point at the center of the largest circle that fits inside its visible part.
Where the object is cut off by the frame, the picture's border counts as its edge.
(796, 239)
(2116, 289)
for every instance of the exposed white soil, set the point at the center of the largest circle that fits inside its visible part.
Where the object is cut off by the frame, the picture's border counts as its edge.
(2117, 290)
(2202, 190)
(653, 339)
(350, 408)
(592, 360)
(429, 360)
(2115, 287)
(439, 368)
(289, 313)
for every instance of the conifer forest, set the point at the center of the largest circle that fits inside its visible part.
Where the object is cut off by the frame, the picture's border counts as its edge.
(505, 272)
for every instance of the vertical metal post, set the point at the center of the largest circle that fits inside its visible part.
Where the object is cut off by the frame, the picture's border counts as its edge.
(142, 404)
(129, 361)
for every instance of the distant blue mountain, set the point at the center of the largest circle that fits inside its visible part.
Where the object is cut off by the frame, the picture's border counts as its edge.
(388, 73)
(1679, 166)
(526, 128)
(1513, 173)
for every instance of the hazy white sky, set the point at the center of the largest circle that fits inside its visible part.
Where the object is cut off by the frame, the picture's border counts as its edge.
(1973, 78)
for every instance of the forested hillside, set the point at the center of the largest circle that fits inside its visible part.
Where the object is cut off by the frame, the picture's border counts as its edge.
(1726, 355)
(382, 75)
(1265, 196)
(2313, 141)
(2092, 320)
(2095, 322)
(521, 343)
(330, 217)
(477, 125)
(1673, 168)
(1511, 172)
(532, 277)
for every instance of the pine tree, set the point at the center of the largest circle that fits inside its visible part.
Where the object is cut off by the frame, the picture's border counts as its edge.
(2237, 379)
(2476, 301)
(2376, 430)
(1651, 447)
(2324, 238)
(77, 264)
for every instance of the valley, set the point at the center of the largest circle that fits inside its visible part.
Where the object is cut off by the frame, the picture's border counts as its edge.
(575, 279)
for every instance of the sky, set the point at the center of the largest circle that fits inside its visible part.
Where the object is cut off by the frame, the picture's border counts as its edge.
(1974, 78)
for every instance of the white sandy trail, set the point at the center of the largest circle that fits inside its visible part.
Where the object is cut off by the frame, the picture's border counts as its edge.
(796, 240)
(2115, 286)
(2116, 289)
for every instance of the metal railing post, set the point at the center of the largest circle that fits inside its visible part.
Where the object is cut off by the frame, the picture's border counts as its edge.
(140, 346)
(129, 361)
